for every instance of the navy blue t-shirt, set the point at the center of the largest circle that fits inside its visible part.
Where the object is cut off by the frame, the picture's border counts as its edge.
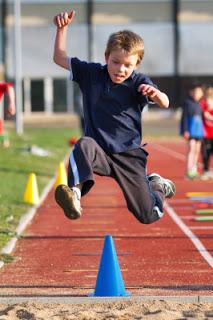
(112, 112)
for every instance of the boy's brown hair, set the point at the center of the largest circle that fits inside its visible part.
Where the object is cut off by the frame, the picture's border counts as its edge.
(128, 41)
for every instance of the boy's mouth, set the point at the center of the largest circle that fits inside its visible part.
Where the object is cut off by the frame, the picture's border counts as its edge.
(119, 76)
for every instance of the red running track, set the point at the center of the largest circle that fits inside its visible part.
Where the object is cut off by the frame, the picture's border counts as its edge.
(170, 257)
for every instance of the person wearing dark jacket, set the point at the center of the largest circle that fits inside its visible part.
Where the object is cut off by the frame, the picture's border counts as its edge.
(191, 128)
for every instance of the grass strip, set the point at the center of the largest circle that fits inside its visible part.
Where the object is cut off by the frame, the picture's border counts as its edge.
(205, 218)
(204, 211)
(16, 164)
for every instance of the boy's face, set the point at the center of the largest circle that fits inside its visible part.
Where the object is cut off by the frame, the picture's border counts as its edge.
(120, 65)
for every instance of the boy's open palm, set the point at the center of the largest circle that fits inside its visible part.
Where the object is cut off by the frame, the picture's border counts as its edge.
(154, 94)
(63, 19)
(148, 90)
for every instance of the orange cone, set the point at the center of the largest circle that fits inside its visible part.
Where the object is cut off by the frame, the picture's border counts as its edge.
(31, 194)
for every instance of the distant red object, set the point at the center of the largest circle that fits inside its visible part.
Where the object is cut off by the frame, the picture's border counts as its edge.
(72, 141)
(203, 205)
(1, 127)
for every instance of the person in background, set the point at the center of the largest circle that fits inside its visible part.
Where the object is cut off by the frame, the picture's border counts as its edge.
(6, 88)
(191, 128)
(207, 145)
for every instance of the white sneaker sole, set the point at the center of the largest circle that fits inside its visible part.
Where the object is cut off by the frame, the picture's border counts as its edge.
(64, 198)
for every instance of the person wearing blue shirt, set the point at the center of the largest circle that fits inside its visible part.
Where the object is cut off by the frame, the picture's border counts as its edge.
(114, 96)
(191, 127)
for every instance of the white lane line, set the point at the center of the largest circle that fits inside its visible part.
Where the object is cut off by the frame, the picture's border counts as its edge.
(26, 218)
(186, 230)
(197, 243)
(173, 153)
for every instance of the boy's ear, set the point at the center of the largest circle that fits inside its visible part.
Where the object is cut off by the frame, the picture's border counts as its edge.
(137, 65)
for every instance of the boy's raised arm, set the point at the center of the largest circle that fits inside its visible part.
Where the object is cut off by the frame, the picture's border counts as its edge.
(62, 21)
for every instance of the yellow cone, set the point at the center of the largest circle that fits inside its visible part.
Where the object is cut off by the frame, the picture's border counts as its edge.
(31, 194)
(61, 177)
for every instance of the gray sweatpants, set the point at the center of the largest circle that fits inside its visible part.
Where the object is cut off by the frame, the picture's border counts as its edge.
(127, 168)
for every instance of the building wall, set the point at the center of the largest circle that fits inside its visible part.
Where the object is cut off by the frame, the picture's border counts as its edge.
(152, 19)
(196, 45)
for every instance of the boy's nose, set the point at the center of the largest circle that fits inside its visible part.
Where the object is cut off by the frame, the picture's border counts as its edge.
(121, 68)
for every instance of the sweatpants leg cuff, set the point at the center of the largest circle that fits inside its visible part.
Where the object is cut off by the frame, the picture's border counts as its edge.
(158, 207)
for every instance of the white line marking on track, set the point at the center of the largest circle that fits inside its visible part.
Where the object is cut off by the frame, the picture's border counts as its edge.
(26, 218)
(197, 243)
(173, 153)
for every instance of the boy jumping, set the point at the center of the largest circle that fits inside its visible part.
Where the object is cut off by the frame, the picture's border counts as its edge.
(113, 98)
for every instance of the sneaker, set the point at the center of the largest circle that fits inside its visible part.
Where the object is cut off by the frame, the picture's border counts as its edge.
(68, 200)
(192, 174)
(167, 185)
(207, 175)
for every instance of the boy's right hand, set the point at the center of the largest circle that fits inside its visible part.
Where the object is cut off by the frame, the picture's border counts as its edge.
(63, 19)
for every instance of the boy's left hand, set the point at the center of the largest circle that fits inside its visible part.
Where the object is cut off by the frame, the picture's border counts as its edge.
(64, 19)
(148, 90)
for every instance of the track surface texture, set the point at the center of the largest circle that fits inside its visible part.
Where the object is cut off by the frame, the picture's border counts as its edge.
(171, 257)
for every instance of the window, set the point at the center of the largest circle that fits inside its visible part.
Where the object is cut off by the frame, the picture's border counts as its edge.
(60, 95)
(37, 95)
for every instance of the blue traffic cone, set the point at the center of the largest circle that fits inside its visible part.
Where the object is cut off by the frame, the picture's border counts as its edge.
(109, 281)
